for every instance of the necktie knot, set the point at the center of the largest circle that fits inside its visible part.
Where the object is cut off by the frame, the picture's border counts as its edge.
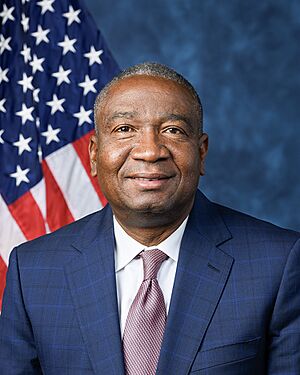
(152, 260)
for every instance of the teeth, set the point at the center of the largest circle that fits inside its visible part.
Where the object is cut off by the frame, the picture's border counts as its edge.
(146, 179)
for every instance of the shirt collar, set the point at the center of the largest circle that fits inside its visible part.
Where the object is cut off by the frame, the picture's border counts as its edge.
(128, 248)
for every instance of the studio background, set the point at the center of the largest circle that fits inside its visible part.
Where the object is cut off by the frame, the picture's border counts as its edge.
(243, 58)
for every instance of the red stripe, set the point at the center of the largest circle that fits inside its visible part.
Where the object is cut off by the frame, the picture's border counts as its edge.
(81, 146)
(58, 213)
(28, 216)
(3, 269)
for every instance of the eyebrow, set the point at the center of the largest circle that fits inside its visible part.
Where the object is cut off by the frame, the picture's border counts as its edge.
(177, 117)
(133, 114)
(117, 115)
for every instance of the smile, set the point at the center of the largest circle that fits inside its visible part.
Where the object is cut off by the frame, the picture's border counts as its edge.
(150, 181)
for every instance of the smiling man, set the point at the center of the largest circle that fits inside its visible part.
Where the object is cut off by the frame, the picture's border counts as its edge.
(161, 281)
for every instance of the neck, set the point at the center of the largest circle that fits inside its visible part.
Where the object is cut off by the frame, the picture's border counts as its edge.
(149, 236)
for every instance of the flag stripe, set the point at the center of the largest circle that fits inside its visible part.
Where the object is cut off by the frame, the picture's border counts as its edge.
(3, 269)
(74, 183)
(82, 146)
(13, 234)
(28, 216)
(39, 194)
(58, 213)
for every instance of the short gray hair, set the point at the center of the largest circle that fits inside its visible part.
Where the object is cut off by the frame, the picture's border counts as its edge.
(153, 70)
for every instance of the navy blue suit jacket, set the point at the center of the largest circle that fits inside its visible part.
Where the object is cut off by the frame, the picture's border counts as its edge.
(235, 306)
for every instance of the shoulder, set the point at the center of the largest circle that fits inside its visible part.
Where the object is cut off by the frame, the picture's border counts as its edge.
(240, 223)
(244, 236)
(61, 242)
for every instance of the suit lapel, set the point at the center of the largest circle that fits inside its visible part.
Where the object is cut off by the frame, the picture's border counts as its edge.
(91, 279)
(201, 276)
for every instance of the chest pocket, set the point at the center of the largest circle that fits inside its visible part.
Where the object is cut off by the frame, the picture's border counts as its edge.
(226, 354)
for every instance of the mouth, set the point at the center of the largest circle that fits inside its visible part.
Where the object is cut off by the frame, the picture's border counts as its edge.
(150, 181)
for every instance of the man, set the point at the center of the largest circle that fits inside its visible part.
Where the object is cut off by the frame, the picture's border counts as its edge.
(222, 294)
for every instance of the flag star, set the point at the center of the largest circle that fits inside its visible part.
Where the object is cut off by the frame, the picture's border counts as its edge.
(25, 113)
(23, 144)
(37, 64)
(94, 56)
(6, 14)
(1, 133)
(88, 85)
(56, 104)
(46, 5)
(25, 1)
(83, 116)
(2, 108)
(51, 134)
(36, 95)
(26, 83)
(20, 175)
(41, 35)
(67, 45)
(3, 75)
(26, 53)
(62, 75)
(25, 23)
(4, 44)
(72, 15)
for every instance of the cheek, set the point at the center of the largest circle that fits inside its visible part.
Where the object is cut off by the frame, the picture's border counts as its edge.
(111, 157)
(188, 162)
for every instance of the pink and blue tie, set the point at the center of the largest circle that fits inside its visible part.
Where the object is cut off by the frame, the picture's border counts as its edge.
(146, 320)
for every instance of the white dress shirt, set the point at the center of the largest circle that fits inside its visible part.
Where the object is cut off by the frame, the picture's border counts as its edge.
(129, 270)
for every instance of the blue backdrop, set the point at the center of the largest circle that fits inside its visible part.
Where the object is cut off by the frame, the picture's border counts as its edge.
(243, 57)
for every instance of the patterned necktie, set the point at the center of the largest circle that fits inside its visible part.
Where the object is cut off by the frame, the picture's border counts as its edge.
(146, 320)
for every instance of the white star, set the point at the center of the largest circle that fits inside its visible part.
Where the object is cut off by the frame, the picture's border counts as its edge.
(1, 133)
(4, 44)
(56, 104)
(37, 64)
(46, 5)
(83, 116)
(25, 113)
(67, 45)
(94, 56)
(72, 15)
(26, 53)
(20, 175)
(25, 1)
(6, 14)
(62, 75)
(3, 75)
(41, 35)
(2, 108)
(51, 134)
(23, 144)
(25, 23)
(26, 83)
(36, 95)
(88, 85)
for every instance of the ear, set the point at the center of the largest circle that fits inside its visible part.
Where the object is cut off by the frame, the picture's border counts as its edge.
(93, 149)
(203, 149)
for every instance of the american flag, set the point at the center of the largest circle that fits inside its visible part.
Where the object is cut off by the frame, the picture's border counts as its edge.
(53, 61)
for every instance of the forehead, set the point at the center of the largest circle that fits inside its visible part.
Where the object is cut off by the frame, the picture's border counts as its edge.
(147, 92)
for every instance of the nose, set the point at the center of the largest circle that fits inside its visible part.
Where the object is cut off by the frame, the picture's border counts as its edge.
(150, 148)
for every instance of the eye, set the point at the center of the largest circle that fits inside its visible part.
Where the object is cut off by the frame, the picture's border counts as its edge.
(174, 130)
(124, 129)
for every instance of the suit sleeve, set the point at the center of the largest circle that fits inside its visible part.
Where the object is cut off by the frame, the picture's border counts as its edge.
(284, 349)
(18, 353)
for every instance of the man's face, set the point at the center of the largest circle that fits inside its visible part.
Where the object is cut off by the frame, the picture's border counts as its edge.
(149, 153)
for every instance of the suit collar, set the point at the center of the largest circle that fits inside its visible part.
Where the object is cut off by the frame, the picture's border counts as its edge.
(206, 218)
(91, 280)
(202, 273)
